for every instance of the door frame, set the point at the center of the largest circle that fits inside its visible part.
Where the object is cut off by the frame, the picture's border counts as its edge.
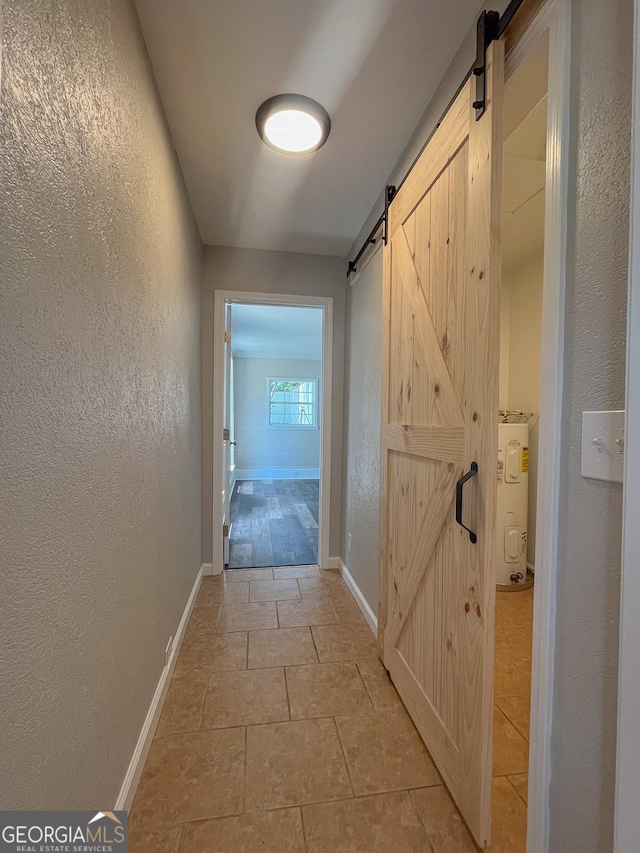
(220, 299)
(553, 18)
(627, 816)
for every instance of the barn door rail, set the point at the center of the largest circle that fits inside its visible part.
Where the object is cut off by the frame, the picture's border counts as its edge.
(374, 236)
(490, 26)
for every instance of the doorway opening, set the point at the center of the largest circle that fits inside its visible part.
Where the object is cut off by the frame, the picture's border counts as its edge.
(274, 401)
(272, 430)
(523, 229)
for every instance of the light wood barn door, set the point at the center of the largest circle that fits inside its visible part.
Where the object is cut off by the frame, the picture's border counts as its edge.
(440, 412)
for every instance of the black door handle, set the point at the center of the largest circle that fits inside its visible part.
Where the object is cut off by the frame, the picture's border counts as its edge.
(473, 470)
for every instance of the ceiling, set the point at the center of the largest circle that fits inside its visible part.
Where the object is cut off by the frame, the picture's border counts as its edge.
(373, 64)
(267, 331)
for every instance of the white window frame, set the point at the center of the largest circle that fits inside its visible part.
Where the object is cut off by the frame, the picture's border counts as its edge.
(316, 401)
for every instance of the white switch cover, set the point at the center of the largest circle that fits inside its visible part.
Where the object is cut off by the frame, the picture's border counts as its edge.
(603, 445)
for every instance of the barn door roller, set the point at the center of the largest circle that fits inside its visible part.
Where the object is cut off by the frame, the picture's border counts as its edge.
(389, 195)
(486, 32)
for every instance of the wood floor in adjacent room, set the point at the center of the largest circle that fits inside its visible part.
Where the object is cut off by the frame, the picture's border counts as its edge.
(274, 523)
(281, 732)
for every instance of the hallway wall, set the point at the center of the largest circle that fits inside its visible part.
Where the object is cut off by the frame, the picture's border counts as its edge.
(100, 385)
(362, 401)
(588, 594)
(589, 554)
(260, 271)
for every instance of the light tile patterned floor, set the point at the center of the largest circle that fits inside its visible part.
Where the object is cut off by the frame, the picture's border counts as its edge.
(281, 732)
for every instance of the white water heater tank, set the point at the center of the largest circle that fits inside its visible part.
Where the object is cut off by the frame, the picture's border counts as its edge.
(513, 504)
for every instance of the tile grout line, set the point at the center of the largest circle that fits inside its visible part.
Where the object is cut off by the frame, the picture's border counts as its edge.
(204, 699)
(526, 804)
(297, 805)
(181, 824)
(515, 726)
(315, 647)
(286, 687)
(304, 830)
(335, 612)
(373, 704)
(296, 720)
(244, 785)
(344, 755)
(420, 821)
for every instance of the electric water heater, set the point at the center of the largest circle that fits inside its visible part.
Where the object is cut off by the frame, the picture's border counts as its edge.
(513, 504)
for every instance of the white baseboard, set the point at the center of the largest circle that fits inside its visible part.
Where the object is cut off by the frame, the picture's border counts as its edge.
(136, 765)
(277, 474)
(361, 601)
(207, 569)
(334, 562)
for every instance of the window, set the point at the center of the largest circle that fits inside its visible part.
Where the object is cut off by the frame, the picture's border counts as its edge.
(293, 403)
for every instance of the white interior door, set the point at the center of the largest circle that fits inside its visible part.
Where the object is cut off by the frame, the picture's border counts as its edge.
(227, 438)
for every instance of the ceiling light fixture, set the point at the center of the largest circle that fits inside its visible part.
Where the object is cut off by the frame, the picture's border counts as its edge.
(293, 124)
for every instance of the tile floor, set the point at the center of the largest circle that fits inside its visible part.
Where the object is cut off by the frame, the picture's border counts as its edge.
(281, 732)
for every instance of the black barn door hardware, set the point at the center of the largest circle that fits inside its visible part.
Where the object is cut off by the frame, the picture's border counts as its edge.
(473, 470)
(389, 193)
(486, 32)
(370, 241)
(490, 26)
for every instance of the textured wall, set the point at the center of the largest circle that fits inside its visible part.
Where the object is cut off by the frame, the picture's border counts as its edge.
(584, 722)
(260, 446)
(258, 271)
(361, 464)
(100, 408)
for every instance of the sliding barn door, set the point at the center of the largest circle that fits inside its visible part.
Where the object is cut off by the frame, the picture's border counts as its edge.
(440, 411)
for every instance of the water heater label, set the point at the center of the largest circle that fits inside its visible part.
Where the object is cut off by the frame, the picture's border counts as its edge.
(500, 465)
(525, 460)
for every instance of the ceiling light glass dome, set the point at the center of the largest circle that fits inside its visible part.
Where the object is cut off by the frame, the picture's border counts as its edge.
(293, 124)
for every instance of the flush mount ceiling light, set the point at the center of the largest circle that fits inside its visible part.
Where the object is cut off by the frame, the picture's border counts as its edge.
(293, 124)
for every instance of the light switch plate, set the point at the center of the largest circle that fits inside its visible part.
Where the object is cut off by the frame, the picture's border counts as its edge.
(603, 445)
